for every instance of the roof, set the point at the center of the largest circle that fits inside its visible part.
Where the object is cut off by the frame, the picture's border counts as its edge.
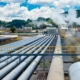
(63, 27)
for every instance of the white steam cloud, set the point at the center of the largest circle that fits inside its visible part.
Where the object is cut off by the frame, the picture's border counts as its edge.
(40, 23)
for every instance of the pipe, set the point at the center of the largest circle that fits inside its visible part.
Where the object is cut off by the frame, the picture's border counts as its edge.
(17, 44)
(3, 64)
(27, 73)
(19, 68)
(56, 68)
(74, 71)
(5, 70)
(17, 51)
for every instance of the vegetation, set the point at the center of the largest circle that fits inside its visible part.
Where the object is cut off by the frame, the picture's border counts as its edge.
(28, 23)
(13, 29)
(36, 31)
(73, 45)
(0, 33)
(10, 41)
(47, 64)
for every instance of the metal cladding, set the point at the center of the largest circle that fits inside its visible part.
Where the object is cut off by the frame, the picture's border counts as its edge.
(11, 69)
(15, 45)
(6, 62)
(12, 65)
(22, 50)
(56, 68)
(27, 73)
(74, 71)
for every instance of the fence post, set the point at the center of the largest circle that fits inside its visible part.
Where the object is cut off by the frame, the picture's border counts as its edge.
(44, 63)
(19, 59)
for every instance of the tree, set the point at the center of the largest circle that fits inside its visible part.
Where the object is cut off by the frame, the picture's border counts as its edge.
(53, 23)
(13, 29)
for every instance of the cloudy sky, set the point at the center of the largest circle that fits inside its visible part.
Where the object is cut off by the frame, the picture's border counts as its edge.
(32, 9)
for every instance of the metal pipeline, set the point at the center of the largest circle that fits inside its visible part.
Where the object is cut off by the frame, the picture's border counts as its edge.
(19, 68)
(6, 62)
(17, 51)
(8, 68)
(56, 68)
(17, 44)
(27, 73)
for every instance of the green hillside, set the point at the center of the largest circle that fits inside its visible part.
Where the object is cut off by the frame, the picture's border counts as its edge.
(28, 23)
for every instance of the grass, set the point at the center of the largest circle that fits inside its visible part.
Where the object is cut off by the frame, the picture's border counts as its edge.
(19, 38)
(73, 46)
(10, 41)
(47, 64)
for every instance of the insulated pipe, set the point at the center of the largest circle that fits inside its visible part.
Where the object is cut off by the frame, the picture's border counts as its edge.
(30, 45)
(17, 44)
(17, 51)
(74, 71)
(3, 64)
(27, 73)
(19, 68)
(8, 68)
(56, 68)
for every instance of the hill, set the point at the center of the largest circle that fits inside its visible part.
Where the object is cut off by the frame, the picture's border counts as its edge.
(28, 23)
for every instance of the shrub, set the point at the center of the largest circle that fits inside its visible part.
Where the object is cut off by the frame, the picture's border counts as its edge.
(13, 29)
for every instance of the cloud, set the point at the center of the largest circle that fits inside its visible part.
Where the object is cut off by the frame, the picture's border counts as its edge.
(15, 1)
(41, 2)
(14, 11)
(55, 2)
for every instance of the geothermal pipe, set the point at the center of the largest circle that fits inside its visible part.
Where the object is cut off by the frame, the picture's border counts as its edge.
(6, 62)
(17, 51)
(8, 68)
(28, 72)
(15, 45)
(19, 68)
(74, 71)
(56, 68)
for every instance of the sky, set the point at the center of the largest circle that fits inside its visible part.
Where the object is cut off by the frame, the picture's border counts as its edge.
(32, 9)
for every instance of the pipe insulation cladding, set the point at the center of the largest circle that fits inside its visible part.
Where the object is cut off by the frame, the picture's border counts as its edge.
(27, 73)
(56, 68)
(12, 65)
(6, 62)
(21, 49)
(74, 71)
(4, 49)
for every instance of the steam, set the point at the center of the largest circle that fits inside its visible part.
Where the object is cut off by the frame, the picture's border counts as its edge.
(72, 17)
(40, 23)
(59, 18)
(67, 20)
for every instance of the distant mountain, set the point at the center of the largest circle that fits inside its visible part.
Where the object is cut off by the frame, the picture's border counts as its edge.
(29, 23)
(41, 19)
